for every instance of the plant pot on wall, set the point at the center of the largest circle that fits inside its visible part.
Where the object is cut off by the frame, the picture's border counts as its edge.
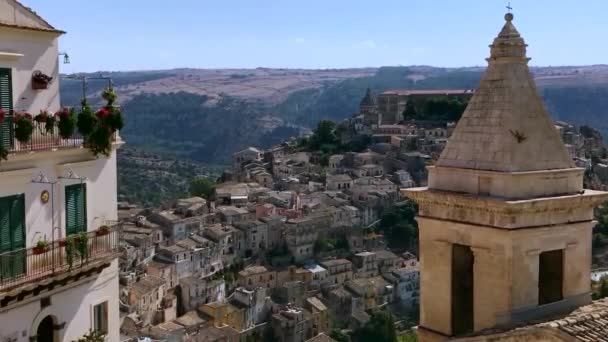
(40, 80)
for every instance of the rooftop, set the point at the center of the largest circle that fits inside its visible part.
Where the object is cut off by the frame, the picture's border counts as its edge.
(251, 270)
(408, 92)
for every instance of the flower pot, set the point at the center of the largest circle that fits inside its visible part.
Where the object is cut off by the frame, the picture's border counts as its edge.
(102, 232)
(39, 85)
(39, 250)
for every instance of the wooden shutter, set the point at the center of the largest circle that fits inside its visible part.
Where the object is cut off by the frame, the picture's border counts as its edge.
(75, 209)
(18, 234)
(12, 236)
(6, 104)
(5, 237)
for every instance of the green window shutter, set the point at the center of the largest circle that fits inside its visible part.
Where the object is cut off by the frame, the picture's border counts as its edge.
(6, 104)
(75, 209)
(18, 234)
(12, 236)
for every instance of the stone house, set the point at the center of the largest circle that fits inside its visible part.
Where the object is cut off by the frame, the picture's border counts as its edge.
(301, 235)
(338, 182)
(370, 293)
(408, 283)
(165, 271)
(232, 215)
(387, 261)
(248, 155)
(145, 297)
(196, 292)
(366, 265)
(339, 270)
(257, 276)
(275, 229)
(339, 302)
(179, 256)
(292, 325)
(230, 241)
(320, 315)
(174, 226)
(192, 206)
(256, 236)
(291, 293)
(369, 170)
(335, 163)
(205, 255)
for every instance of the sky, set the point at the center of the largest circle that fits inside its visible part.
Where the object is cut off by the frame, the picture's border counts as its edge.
(121, 35)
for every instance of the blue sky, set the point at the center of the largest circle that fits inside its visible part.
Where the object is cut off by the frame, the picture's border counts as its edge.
(154, 34)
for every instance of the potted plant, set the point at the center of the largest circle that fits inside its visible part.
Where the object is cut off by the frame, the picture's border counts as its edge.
(40, 80)
(103, 230)
(23, 126)
(86, 121)
(70, 250)
(47, 119)
(41, 246)
(66, 123)
(82, 246)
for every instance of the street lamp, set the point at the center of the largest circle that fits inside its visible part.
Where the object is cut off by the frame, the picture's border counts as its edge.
(66, 57)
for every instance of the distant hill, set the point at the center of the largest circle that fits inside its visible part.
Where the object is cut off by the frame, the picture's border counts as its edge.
(208, 114)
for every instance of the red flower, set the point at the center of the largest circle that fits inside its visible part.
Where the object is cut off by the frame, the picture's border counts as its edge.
(22, 116)
(64, 112)
(2, 115)
(102, 113)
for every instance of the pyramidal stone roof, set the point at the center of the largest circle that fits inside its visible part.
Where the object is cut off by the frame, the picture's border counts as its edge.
(505, 126)
(368, 100)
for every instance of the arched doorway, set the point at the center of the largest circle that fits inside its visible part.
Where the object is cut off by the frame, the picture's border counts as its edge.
(45, 332)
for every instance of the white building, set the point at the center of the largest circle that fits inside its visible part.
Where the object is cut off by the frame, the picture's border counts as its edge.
(50, 187)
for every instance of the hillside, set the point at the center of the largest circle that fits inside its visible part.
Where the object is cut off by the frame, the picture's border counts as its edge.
(208, 114)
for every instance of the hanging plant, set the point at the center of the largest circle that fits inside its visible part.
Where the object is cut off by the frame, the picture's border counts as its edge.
(86, 121)
(100, 141)
(110, 96)
(47, 120)
(40, 80)
(23, 127)
(67, 122)
(115, 120)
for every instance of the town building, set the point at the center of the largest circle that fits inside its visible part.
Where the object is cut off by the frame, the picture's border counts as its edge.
(51, 189)
(505, 224)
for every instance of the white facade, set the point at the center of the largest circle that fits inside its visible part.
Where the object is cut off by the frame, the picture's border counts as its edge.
(29, 44)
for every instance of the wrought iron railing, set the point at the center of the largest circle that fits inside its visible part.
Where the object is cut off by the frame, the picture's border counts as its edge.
(24, 266)
(41, 139)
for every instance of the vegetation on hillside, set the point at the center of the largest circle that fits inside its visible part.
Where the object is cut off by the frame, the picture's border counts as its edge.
(380, 328)
(399, 225)
(150, 179)
(325, 142)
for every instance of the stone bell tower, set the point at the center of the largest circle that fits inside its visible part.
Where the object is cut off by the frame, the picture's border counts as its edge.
(505, 224)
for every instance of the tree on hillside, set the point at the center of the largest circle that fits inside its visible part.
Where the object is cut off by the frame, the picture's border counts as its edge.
(410, 111)
(399, 226)
(380, 328)
(203, 187)
(339, 336)
(324, 134)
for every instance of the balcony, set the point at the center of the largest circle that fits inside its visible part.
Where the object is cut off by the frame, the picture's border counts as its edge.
(41, 266)
(40, 140)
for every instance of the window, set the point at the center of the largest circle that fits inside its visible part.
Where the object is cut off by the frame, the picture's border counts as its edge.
(6, 104)
(100, 317)
(12, 235)
(550, 276)
(75, 208)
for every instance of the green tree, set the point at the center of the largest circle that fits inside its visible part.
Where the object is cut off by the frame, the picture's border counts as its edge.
(324, 134)
(380, 328)
(339, 336)
(398, 224)
(203, 187)
(410, 111)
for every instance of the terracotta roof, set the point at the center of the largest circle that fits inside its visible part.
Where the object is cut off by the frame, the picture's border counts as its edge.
(408, 92)
(587, 323)
(22, 27)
